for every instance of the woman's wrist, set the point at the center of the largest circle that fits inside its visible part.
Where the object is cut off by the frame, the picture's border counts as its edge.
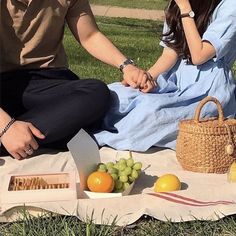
(149, 75)
(185, 8)
(152, 74)
(151, 78)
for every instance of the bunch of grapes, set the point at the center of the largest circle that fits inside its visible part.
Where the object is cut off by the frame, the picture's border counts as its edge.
(124, 172)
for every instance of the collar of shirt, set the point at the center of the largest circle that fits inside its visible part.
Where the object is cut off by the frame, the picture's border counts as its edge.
(25, 2)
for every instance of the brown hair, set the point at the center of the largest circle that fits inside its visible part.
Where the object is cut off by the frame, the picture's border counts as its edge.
(175, 37)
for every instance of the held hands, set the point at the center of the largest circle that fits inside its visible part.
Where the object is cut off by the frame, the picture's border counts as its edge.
(19, 139)
(137, 78)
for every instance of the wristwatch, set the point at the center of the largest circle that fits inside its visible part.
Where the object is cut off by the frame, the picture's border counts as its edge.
(126, 63)
(190, 14)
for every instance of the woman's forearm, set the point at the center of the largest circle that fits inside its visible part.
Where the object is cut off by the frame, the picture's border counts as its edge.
(164, 63)
(201, 51)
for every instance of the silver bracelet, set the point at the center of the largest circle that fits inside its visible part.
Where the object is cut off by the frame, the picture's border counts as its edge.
(7, 127)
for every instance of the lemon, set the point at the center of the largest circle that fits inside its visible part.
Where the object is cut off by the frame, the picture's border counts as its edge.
(167, 183)
(232, 173)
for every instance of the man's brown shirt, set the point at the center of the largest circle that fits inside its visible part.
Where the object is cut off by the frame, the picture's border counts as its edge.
(31, 33)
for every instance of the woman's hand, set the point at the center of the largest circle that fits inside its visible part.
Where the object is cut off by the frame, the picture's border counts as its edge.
(184, 5)
(148, 83)
(19, 139)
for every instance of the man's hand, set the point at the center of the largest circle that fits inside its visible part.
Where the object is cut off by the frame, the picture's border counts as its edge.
(137, 78)
(19, 139)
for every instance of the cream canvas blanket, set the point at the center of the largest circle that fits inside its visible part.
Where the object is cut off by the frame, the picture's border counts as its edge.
(203, 196)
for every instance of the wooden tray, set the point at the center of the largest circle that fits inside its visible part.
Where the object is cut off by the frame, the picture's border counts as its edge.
(39, 187)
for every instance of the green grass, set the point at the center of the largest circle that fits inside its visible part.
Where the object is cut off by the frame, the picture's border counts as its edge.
(146, 4)
(51, 225)
(55, 225)
(139, 40)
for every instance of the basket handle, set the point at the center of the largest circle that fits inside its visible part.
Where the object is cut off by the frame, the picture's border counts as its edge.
(203, 102)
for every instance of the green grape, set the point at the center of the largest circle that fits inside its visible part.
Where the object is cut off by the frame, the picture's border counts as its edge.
(114, 176)
(128, 170)
(131, 179)
(122, 161)
(123, 178)
(118, 184)
(116, 166)
(137, 166)
(121, 166)
(120, 173)
(109, 165)
(134, 174)
(112, 170)
(118, 190)
(102, 166)
(130, 162)
(126, 185)
(101, 170)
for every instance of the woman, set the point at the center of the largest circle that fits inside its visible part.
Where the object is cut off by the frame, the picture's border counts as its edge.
(199, 41)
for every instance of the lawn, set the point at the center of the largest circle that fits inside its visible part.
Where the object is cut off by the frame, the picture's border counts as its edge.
(139, 40)
(146, 226)
(146, 4)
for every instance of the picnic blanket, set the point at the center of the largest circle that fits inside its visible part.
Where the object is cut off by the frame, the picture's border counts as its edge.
(203, 196)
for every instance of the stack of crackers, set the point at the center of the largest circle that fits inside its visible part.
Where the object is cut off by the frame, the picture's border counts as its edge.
(32, 183)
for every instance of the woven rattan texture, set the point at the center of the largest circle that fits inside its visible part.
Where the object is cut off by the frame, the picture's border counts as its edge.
(201, 145)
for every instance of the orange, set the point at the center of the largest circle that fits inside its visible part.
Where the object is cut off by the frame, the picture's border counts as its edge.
(101, 182)
(167, 183)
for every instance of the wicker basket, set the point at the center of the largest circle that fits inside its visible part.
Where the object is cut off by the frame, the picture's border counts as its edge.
(207, 145)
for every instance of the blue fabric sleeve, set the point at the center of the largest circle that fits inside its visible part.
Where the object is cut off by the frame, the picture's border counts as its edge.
(222, 30)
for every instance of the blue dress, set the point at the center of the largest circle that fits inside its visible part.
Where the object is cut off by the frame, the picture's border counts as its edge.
(136, 121)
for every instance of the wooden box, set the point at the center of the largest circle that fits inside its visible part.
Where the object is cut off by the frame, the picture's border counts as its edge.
(39, 187)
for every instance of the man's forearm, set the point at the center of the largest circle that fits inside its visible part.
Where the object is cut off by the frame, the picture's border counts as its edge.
(101, 48)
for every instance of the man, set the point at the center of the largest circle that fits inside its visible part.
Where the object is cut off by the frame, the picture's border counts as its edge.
(48, 101)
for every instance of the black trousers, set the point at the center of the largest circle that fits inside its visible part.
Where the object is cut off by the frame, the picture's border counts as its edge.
(55, 101)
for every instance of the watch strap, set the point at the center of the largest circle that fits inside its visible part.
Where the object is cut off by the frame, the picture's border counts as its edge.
(126, 63)
(190, 14)
(184, 15)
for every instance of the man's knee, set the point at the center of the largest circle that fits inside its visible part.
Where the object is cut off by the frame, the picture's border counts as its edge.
(101, 97)
(98, 93)
(102, 91)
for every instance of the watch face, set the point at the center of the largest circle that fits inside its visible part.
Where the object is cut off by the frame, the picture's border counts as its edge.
(191, 14)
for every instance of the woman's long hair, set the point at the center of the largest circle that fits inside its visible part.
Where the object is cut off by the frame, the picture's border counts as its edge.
(175, 38)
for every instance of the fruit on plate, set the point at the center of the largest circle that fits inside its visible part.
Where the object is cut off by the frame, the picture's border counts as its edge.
(167, 183)
(101, 182)
(232, 173)
(124, 172)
